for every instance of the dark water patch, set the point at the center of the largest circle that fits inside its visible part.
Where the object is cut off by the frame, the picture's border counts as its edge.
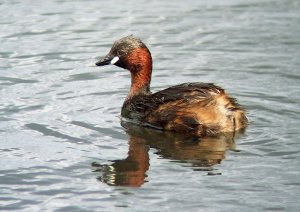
(46, 131)
(48, 56)
(75, 208)
(12, 109)
(56, 13)
(282, 153)
(32, 33)
(14, 81)
(82, 77)
(64, 93)
(17, 205)
(279, 208)
(262, 68)
(105, 131)
(4, 119)
(84, 30)
(290, 76)
(26, 177)
(108, 93)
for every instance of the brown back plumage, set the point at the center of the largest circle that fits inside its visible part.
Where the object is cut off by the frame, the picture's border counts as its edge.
(196, 108)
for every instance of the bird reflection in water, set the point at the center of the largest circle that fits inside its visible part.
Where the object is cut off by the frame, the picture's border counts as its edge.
(200, 153)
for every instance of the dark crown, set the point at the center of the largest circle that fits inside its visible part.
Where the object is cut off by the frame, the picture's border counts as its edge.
(124, 45)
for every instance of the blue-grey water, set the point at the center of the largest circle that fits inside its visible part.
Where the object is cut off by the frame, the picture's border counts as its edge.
(62, 145)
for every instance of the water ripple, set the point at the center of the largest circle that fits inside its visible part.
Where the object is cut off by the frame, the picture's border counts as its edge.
(46, 131)
(62, 146)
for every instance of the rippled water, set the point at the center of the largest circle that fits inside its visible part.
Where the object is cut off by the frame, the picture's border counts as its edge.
(63, 147)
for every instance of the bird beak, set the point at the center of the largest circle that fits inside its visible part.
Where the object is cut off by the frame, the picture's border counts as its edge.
(107, 60)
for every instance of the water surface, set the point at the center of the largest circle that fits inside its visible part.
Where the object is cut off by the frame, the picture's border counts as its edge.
(63, 147)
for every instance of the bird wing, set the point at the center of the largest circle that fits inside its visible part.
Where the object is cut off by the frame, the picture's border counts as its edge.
(169, 101)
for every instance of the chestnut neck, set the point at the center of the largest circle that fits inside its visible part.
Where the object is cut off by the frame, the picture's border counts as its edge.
(139, 63)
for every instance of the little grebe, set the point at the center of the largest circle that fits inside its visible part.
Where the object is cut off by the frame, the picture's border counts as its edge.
(195, 108)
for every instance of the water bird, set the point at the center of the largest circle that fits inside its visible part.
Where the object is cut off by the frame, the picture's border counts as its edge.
(196, 108)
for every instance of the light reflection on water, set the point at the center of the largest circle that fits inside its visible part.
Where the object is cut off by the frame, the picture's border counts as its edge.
(58, 115)
(200, 153)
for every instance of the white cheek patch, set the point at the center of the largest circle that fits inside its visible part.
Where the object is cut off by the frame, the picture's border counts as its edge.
(114, 60)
